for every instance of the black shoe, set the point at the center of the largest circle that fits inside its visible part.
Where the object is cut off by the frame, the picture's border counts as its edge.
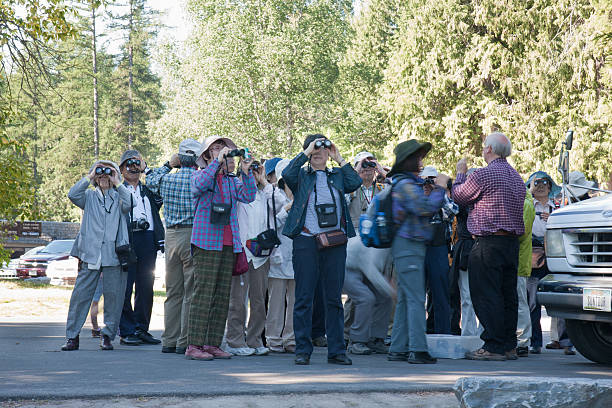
(421, 357)
(168, 349)
(392, 356)
(320, 341)
(340, 359)
(146, 337)
(302, 359)
(181, 350)
(71, 344)
(130, 340)
(535, 350)
(105, 343)
(522, 351)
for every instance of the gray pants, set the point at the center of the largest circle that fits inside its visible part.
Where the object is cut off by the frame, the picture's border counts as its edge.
(409, 324)
(469, 322)
(253, 284)
(114, 293)
(372, 309)
(179, 287)
(523, 327)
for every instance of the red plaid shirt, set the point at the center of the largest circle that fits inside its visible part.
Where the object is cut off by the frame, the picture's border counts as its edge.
(497, 193)
(204, 234)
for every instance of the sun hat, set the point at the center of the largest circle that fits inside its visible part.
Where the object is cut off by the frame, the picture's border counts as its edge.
(270, 165)
(206, 143)
(406, 149)
(577, 177)
(554, 188)
(280, 167)
(128, 154)
(361, 156)
(429, 171)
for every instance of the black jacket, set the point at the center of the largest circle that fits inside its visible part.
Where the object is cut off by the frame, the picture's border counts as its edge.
(156, 202)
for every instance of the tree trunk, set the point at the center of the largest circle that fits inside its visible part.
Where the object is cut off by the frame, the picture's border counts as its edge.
(131, 78)
(95, 83)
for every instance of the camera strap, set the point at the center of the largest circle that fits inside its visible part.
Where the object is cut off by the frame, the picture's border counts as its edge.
(330, 191)
(273, 210)
(229, 184)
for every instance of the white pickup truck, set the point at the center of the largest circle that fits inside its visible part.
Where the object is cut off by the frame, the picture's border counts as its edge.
(578, 247)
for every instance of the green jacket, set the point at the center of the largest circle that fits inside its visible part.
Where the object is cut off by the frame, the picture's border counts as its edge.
(524, 265)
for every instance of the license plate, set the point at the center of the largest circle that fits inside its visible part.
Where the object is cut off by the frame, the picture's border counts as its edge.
(33, 273)
(597, 299)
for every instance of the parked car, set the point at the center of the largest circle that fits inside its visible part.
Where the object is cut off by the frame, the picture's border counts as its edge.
(8, 270)
(33, 266)
(63, 271)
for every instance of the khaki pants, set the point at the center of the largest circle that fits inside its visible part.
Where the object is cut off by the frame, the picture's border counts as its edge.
(179, 287)
(279, 322)
(253, 284)
(523, 324)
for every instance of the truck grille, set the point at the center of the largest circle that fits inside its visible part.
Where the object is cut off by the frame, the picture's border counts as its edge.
(590, 247)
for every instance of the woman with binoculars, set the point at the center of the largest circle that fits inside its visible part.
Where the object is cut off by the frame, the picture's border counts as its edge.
(215, 242)
(319, 223)
(103, 228)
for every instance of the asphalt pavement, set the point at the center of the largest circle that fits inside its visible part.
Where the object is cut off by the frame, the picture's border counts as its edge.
(32, 366)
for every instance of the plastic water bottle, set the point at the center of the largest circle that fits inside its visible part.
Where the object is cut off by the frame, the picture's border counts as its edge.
(381, 225)
(366, 225)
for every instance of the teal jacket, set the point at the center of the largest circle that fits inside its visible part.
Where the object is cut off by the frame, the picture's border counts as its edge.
(301, 181)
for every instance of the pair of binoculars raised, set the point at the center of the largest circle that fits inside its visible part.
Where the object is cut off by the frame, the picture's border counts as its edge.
(103, 171)
(323, 143)
(133, 162)
(367, 163)
(244, 153)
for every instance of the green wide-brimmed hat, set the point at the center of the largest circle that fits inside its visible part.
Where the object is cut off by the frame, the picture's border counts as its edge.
(406, 149)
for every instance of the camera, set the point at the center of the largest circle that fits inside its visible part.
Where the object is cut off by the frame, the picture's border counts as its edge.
(429, 180)
(141, 224)
(323, 143)
(367, 163)
(106, 171)
(255, 166)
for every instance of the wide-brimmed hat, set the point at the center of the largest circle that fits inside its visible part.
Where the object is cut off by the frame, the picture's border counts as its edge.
(128, 154)
(280, 166)
(189, 147)
(577, 177)
(106, 163)
(406, 149)
(554, 188)
(361, 156)
(205, 145)
(429, 171)
(270, 165)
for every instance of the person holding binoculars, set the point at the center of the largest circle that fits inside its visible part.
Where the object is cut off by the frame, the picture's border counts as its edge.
(147, 236)
(319, 223)
(215, 241)
(103, 230)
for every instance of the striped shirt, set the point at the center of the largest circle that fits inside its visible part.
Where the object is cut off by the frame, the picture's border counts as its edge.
(498, 195)
(204, 234)
(175, 189)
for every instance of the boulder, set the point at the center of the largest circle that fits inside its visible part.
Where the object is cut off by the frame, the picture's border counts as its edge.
(532, 392)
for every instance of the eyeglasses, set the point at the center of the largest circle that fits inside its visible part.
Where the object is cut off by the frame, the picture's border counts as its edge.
(541, 181)
(133, 162)
(103, 171)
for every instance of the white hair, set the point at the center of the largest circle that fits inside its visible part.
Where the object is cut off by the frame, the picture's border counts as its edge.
(500, 144)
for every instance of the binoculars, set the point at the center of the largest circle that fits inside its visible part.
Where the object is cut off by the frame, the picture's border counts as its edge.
(132, 162)
(255, 166)
(244, 153)
(323, 143)
(106, 171)
(366, 163)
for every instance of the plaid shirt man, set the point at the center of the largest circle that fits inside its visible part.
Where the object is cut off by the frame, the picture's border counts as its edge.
(175, 189)
(413, 209)
(498, 195)
(206, 235)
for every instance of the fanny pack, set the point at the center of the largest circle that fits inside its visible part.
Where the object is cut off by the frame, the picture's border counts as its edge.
(331, 239)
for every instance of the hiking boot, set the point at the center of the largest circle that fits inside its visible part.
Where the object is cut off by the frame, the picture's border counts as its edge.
(196, 353)
(216, 352)
(302, 359)
(319, 341)
(105, 343)
(96, 333)
(359, 348)
(71, 344)
(484, 355)
(535, 350)
(378, 346)
(511, 355)
(569, 351)
(393, 356)
(261, 351)
(421, 357)
(522, 351)
(553, 345)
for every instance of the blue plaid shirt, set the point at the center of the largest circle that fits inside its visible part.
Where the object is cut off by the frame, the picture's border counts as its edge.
(175, 189)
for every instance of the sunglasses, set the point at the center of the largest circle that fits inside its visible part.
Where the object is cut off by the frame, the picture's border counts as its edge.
(541, 181)
(103, 171)
(133, 162)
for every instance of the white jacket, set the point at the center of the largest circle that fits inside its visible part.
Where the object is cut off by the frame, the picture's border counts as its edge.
(281, 260)
(251, 222)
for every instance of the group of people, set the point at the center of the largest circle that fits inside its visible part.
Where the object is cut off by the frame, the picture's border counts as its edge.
(270, 239)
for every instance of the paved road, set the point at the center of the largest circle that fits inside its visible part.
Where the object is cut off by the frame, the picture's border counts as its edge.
(31, 366)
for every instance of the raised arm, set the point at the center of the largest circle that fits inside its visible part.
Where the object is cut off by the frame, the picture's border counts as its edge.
(246, 189)
(77, 192)
(466, 190)
(154, 178)
(351, 178)
(292, 171)
(202, 180)
(411, 199)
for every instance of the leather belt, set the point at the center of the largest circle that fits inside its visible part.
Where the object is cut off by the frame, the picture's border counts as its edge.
(177, 226)
(501, 233)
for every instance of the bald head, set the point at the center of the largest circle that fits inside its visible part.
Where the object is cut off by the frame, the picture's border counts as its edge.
(500, 145)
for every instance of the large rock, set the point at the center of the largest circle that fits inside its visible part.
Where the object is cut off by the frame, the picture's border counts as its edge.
(532, 392)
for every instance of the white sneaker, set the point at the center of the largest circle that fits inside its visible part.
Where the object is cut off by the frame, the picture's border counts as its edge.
(240, 351)
(261, 351)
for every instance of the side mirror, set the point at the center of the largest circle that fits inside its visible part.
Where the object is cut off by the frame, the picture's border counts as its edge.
(569, 139)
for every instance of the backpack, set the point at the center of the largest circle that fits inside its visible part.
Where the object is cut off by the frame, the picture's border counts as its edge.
(376, 227)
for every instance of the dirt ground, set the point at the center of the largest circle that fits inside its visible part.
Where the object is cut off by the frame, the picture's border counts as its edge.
(438, 400)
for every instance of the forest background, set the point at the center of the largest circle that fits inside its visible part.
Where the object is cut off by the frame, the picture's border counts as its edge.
(366, 73)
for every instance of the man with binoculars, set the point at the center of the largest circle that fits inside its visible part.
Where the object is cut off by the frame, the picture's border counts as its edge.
(147, 236)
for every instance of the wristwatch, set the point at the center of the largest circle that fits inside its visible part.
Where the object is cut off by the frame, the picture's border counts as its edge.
(167, 164)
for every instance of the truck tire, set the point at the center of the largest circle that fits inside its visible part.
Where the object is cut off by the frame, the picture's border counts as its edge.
(592, 339)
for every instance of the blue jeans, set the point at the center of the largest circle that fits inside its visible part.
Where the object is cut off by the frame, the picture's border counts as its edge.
(436, 268)
(311, 265)
(409, 323)
(141, 276)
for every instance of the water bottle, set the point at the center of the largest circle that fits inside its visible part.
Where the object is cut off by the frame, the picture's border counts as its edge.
(366, 225)
(381, 225)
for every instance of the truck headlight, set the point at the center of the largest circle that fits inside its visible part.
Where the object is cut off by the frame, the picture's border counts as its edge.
(553, 243)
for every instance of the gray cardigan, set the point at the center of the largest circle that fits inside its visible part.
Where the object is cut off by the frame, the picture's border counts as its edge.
(101, 227)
